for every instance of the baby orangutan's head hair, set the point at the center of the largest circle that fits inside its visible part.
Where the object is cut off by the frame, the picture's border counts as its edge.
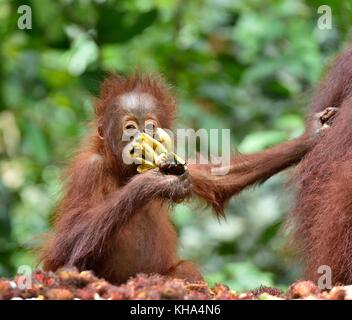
(137, 89)
(131, 105)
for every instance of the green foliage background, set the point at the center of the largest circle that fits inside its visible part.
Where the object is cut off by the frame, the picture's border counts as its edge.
(248, 65)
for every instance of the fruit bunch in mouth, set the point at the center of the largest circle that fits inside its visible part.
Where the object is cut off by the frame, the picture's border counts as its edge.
(150, 153)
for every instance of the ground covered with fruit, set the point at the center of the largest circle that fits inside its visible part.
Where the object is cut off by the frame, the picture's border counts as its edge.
(69, 284)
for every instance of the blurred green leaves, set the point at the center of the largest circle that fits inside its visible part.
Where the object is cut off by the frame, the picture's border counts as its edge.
(244, 65)
(241, 276)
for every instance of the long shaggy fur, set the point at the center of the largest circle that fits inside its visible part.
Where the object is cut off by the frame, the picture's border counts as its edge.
(111, 220)
(115, 222)
(322, 215)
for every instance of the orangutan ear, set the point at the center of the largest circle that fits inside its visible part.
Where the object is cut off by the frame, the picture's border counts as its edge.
(100, 132)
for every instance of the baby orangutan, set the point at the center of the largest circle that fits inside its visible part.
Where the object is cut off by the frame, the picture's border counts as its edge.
(115, 221)
(111, 219)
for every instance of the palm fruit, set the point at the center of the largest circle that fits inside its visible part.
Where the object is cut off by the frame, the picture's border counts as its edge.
(164, 138)
(157, 146)
(151, 153)
(145, 167)
(170, 163)
(142, 156)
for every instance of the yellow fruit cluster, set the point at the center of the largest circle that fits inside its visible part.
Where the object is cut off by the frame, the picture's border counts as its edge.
(151, 153)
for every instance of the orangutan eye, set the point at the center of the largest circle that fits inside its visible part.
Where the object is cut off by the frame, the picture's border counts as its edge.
(150, 126)
(131, 125)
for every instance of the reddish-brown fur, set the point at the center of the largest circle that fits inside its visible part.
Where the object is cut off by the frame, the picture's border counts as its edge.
(116, 222)
(252, 169)
(111, 220)
(322, 215)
